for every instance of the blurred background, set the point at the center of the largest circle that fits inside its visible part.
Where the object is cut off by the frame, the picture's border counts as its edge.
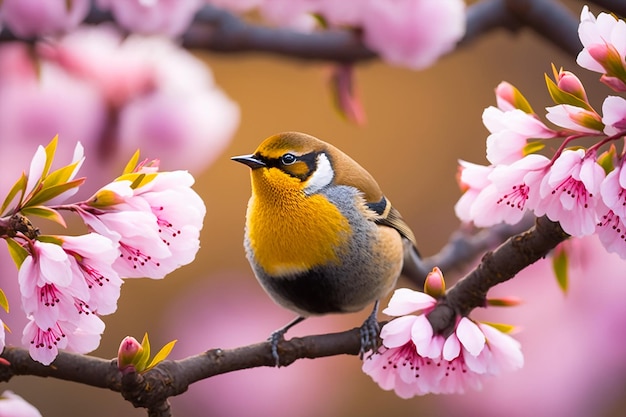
(419, 123)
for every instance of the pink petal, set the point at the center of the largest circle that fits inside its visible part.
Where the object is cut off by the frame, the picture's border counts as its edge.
(422, 334)
(470, 336)
(397, 332)
(405, 301)
(451, 348)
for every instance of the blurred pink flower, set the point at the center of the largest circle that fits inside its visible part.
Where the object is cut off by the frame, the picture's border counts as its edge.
(413, 33)
(165, 100)
(12, 405)
(30, 18)
(166, 17)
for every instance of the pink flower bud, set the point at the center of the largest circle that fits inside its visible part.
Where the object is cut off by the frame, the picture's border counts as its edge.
(613, 82)
(569, 83)
(508, 98)
(130, 350)
(435, 286)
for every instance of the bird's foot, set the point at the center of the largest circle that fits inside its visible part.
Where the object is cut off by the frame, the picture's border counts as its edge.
(369, 333)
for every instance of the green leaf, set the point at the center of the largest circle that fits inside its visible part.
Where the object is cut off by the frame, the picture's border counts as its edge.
(60, 176)
(132, 163)
(4, 301)
(17, 252)
(138, 180)
(49, 193)
(504, 328)
(520, 102)
(19, 186)
(51, 149)
(559, 265)
(44, 212)
(162, 355)
(50, 239)
(142, 360)
(533, 147)
(561, 97)
(607, 159)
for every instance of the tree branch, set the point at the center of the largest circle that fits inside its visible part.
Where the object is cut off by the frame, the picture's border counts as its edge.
(496, 267)
(218, 30)
(152, 389)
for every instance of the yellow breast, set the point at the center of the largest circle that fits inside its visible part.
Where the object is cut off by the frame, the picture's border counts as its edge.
(288, 231)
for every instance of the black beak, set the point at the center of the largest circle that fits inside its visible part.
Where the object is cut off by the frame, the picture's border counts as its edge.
(250, 160)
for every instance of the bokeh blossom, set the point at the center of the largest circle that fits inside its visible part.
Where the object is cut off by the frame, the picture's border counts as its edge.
(12, 405)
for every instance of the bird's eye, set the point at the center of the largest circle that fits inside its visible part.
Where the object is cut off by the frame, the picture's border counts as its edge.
(288, 159)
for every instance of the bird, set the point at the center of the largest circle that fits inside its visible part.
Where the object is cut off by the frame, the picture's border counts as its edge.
(320, 236)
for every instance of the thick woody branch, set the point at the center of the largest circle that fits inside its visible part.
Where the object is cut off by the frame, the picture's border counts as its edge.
(496, 267)
(217, 30)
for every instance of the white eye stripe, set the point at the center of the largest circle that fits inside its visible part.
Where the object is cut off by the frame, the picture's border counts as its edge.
(322, 176)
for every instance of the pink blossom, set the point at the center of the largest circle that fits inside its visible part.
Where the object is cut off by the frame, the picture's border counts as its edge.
(47, 285)
(12, 405)
(473, 179)
(604, 41)
(570, 192)
(179, 211)
(510, 131)
(167, 17)
(412, 33)
(130, 222)
(513, 189)
(611, 231)
(91, 257)
(82, 336)
(414, 360)
(614, 115)
(575, 118)
(613, 190)
(30, 18)
(156, 224)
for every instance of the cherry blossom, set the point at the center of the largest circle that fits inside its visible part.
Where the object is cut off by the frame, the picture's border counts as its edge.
(570, 192)
(414, 360)
(156, 224)
(510, 132)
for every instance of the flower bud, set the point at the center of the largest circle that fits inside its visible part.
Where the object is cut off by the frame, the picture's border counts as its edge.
(435, 286)
(128, 354)
(510, 98)
(569, 83)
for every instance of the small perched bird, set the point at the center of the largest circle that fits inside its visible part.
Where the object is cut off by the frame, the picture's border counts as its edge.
(320, 235)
